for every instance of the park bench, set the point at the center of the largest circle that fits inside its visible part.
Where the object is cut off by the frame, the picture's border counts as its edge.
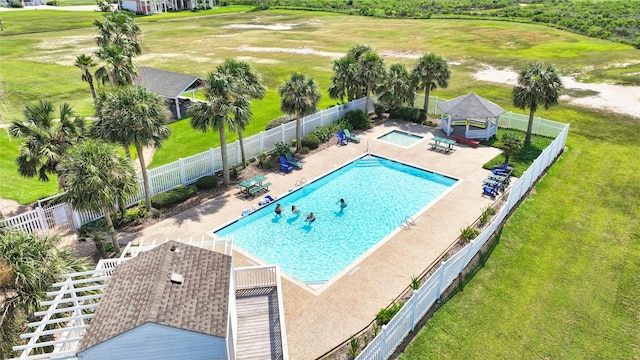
(264, 186)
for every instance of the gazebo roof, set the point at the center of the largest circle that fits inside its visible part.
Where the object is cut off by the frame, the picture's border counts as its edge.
(471, 106)
(166, 83)
(174, 284)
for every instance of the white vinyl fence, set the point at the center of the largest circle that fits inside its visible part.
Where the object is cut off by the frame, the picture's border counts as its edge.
(392, 334)
(50, 215)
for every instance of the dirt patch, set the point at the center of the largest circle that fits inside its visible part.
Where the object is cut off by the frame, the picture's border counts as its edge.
(9, 208)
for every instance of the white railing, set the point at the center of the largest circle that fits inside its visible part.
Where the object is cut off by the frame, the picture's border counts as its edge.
(392, 334)
(255, 277)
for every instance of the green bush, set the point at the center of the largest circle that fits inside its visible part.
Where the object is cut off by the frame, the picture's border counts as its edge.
(310, 141)
(385, 315)
(468, 233)
(358, 120)
(206, 182)
(279, 121)
(170, 198)
(131, 216)
(280, 149)
(323, 133)
(418, 116)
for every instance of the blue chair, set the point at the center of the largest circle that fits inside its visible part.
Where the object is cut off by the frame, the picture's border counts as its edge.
(342, 138)
(292, 161)
(284, 167)
(500, 169)
(492, 191)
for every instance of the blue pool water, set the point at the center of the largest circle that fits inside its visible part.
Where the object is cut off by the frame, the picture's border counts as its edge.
(379, 193)
(401, 138)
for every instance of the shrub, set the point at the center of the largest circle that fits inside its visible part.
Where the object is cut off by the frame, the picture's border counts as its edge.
(323, 133)
(304, 150)
(170, 198)
(280, 149)
(310, 141)
(279, 121)
(468, 233)
(206, 182)
(358, 120)
(418, 116)
(379, 109)
(53, 3)
(385, 315)
(131, 216)
(16, 4)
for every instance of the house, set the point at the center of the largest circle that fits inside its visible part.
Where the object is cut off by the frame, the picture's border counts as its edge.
(148, 7)
(172, 302)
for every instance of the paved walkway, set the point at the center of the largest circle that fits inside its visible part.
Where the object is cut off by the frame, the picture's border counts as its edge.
(319, 319)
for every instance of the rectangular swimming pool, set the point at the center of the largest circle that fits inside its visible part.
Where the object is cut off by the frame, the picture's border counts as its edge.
(379, 193)
(400, 138)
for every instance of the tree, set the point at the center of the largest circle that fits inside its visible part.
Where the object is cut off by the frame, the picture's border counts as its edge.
(536, 86)
(431, 71)
(96, 177)
(371, 71)
(346, 80)
(84, 63)
(118, 42)
(398, 87)
(511, 144)
(29, 265)
(45, 139)
(245, 82)
(118, 68)
(224, 107)
(132, 116)
(299, 96)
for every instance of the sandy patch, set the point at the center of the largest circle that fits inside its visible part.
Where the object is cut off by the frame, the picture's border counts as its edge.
(400, 54)
(297, 51)
(275, 27)
(257, 60)
(616, 98)
(167, 56)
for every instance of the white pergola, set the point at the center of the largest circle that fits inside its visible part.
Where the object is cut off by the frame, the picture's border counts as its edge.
(73, 304)
(478, 115)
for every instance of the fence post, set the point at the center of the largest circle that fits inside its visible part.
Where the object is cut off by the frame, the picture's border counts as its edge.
(413, 308)
(42, 219)
(383, 341)
(261, 142)
(212, 159)
(182, 179)
(441, 278)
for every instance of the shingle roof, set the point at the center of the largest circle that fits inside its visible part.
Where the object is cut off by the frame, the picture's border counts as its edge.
(471, 106)
(140, 291)
(166, 83)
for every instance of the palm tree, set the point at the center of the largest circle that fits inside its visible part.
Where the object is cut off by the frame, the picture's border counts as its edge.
(511, 144)
(29, 265)
(536, 86)
(299, 97)
(344, 81)
(45, 139)
(96, 177)
(371, 71)
(245, 82)
(118, 69)
(431, 71)
(224, 107)
(118, 28)
(84, 63)
(397, 88)
(133, 116)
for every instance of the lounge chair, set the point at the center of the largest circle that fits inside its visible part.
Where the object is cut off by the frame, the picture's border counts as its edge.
(500, 169)
(353, 138)
(284, 167)
(342, 139)
(492, 191)
(292, 161)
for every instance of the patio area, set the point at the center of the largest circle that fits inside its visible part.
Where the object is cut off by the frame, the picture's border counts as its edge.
(318, 319)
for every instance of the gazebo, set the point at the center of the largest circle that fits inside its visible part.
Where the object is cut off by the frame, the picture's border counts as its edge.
(478, 115)
(171, 86)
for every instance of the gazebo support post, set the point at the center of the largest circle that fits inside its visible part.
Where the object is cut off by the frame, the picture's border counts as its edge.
(178, 108)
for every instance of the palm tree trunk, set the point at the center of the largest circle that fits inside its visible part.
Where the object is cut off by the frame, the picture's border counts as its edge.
(126, 151)
(223, 153)
(241, 140)
(114, 236)
(298, 133)
(527, 138)
(145, 177)
(93, 90)
(427, 90)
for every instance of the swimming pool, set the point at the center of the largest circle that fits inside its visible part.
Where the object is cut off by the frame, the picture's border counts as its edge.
(401, 138)
(379, 193)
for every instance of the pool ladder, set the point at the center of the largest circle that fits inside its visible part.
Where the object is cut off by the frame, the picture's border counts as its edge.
(301, 182)
(407, 223)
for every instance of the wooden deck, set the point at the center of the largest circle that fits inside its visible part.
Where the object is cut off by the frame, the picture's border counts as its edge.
(259, 335)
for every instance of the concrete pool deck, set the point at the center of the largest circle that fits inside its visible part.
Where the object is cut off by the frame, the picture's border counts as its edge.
(317, 321)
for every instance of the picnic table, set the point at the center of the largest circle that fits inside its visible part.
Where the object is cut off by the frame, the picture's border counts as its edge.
(441, 143)
(251, 186)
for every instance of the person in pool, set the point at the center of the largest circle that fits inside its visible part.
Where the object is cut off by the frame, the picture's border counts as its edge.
(294, 209)
(278, 209)
(310, 218)
(342, 203)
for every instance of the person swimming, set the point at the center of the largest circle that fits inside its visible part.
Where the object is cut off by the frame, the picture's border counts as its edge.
(310, 218)
(342, 203)
(294, 209)
(278, 209)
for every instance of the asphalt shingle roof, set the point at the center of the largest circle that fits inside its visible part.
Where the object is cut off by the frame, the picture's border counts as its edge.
(166, 83)
(140, 291)
(471, 106)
